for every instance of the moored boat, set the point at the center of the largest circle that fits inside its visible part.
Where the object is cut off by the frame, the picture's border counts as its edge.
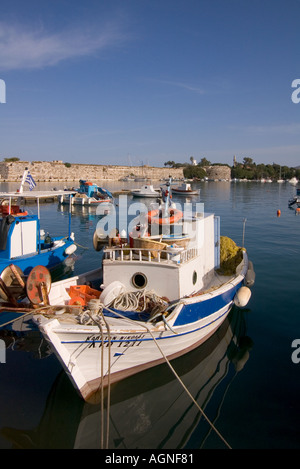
(145, 191)
(295, 201)
(88, 194)
(148, 304)
(294, 181)
(185, 189)
(23, 242)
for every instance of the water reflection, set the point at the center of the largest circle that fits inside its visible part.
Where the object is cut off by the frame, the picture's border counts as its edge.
(149, 410)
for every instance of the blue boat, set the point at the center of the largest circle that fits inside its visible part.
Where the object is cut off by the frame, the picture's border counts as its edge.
(22, 241)
(88, 194)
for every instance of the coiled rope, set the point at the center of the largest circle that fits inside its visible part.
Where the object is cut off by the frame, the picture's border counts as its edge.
(137, 301)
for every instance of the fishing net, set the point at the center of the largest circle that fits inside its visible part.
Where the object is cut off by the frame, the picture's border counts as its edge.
(231, 256)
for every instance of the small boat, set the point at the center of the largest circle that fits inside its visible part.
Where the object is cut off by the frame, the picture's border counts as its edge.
(145, 305)
(22, 241)
(142, 179)
(146, 191)
(295, 200)
(293, 181)
(185, 189)
(88, 194)
(127, 178)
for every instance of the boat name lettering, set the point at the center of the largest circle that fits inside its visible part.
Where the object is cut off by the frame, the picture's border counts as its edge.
(123, 341)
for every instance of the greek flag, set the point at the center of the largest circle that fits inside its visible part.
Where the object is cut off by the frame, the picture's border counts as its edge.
(29, 179)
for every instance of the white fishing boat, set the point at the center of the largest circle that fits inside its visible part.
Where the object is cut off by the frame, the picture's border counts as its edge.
(148, 304)
(145, 191)
(185, 189)
(156, 399)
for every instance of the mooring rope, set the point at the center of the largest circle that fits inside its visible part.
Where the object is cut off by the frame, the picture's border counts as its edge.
(95, 305)
(108, 384)
(100, 311)
(177, 377)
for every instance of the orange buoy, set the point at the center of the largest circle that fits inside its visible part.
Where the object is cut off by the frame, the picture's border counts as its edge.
(278, 213)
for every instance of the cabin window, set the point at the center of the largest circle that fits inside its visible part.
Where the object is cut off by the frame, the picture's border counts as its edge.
(139, 280)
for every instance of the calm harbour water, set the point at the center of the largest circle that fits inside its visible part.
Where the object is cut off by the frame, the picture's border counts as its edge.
(243, 377)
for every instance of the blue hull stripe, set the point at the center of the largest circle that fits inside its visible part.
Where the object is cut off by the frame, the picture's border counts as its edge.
(202, 309)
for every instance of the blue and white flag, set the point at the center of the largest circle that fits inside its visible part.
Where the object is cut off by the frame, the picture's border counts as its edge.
(29, 179)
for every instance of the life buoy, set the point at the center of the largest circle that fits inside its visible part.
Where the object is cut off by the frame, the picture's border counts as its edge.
(20, 214)
(155, 216)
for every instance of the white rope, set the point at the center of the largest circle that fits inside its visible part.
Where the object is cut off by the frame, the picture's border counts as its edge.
(137, 301)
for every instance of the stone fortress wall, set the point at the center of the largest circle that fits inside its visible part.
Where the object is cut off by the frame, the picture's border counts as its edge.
(58, 171)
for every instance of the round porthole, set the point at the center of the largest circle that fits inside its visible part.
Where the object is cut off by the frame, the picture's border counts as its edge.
(139, 280)
(194, 277)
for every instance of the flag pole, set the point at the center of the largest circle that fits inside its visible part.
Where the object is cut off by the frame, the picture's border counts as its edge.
(23, 180)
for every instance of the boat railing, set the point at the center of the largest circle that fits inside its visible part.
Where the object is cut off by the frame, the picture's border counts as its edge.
(149, 255)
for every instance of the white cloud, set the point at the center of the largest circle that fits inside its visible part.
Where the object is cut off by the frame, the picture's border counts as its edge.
(24, 48)
(180, 84)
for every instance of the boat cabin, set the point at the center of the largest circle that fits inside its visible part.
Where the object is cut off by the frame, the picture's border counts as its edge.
(18, 236)
(88, 188)
(170, 270)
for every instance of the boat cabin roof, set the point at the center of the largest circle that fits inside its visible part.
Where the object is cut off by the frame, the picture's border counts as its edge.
(34, 194)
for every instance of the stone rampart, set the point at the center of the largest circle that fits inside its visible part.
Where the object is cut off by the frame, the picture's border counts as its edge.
(57, 171)
(218, 172)
(45, 171)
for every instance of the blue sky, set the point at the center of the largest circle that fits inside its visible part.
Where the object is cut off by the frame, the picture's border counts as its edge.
(147, 81)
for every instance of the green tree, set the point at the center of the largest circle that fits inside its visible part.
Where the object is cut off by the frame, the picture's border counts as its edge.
(191, 171)
(204, 162)
(9, 160)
